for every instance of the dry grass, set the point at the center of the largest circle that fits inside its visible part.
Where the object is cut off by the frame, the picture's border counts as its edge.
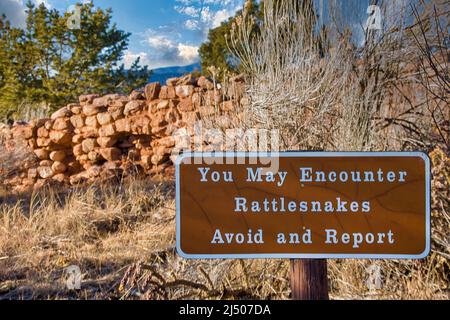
(102, 229)
(122, 236)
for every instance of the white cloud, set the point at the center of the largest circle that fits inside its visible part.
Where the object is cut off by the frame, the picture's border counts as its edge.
(188, 10)
(191, 24)
(164, 47)
(15, 10)
(130, 57)
(206, 14)
(187, 53)
(159, 42)
(221, 16)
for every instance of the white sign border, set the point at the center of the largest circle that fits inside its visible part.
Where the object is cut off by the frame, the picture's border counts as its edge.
(421, 155)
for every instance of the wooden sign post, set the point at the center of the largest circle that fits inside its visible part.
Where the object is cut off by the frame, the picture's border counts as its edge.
(309, 279)
(307, 207)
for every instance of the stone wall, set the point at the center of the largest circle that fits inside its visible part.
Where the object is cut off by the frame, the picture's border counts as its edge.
(102, 136)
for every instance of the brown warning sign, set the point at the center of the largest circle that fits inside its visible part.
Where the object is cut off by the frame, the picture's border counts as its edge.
(303, 205)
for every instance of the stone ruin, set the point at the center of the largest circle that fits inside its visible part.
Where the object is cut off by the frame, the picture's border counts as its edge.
(102, 136)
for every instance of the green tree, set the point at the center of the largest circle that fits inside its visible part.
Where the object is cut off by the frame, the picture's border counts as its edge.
(49, 63)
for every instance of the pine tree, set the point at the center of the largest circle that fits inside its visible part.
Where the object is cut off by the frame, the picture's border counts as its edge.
(49, 63)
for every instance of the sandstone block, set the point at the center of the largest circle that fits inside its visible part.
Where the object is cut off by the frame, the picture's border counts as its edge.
(107, 131)
(163, 104)
(76, 109)
(60, 137)
(159, 132)
(92, 110)
(45, 172)
(92, 122)
(106, 142)
(104, 118)
(48, 124)
(77, 139)
(167, 93)
(172, 82)
(94, 171)
(133, 107)
(163, 93)
(136, 95)
(153, 105)
(205, 83)
(161, 151)
(116, 112)
(83, 159)
(187, 80)
(152, 91)
(61, 177)
(101, 102)
(62, 124)
(89, 132)
(42, 132)
(119, 102)
(111, 154)
(88, 145)
(43, 142)
(58, 167)
(94, 156)
(32, 143)
(57, 156)
(123, 125)
(139, 125)
(77, 121)
(61, 113)
(109, 99)
(78, 150)
(87, 98)
(184, 91)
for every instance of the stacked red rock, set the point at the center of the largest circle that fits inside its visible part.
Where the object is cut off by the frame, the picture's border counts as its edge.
(104, 135)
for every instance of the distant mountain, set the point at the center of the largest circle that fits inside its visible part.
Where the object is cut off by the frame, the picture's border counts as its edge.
(162, 74)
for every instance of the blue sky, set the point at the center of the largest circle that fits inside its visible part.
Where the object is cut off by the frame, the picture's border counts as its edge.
(169, 32)
(164, 32)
